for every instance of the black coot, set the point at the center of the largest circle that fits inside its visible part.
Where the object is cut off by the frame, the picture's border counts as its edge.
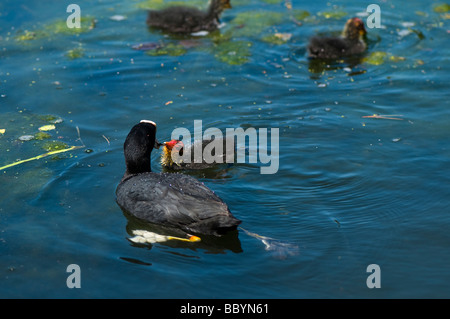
(184, 19)
(169, 199)
(349, 44)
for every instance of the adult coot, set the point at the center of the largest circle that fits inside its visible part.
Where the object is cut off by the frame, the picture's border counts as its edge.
(169, 199)
(183, 19)
(350, 43)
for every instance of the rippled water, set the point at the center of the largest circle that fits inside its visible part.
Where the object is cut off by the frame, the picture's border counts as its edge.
(350, 191)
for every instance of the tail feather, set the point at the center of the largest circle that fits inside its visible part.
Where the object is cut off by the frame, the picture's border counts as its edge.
(217, 225)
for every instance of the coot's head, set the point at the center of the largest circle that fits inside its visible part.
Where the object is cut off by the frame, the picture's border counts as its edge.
(173, 145)
(225, 4)
(217, 6)
(138, 146)
(354, 29)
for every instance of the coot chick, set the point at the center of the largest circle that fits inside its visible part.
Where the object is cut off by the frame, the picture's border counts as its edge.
(177, 163)
(170, 199)
(183, 19)
(350, 43)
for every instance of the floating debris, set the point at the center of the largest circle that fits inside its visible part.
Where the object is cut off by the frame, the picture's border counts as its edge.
(251, 23)
(442, 8)
(118, 17)
(47, 127)
(233, 52)
(161, 4)
(57, 120)
(418, 62)
(335, 14)
(39, 157)
(2, 131)
(26, 36)
(146, 46)
(419, 33)
(26, 137)
(54, 146)
(300, 14)
(75, 53)
(169, 49)
(408, 24)
(87, 23)
(376, 58)
(277, 38)
(337, 222)
(385, 117)
(58, 27)
(189, 43)
(421, 13)
(403, 33)
(395, 58)
(200, 34)
(53, 119)
(380, 57)
(41, 136)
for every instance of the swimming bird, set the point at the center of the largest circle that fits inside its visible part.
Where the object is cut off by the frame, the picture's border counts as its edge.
(351, 42)
(211, 156)
(169, 199)
(184, 19)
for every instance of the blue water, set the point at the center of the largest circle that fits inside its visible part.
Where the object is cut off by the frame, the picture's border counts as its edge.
(350, 190)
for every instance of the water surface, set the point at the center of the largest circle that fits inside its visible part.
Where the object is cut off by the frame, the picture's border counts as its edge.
(350, 191)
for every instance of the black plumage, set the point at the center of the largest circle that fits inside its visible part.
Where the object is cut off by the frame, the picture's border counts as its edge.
(184, 19)
(174, 200)
(352, 42)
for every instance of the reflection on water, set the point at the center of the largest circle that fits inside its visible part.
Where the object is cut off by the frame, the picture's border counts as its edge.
(209, 244)
(363, 151)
